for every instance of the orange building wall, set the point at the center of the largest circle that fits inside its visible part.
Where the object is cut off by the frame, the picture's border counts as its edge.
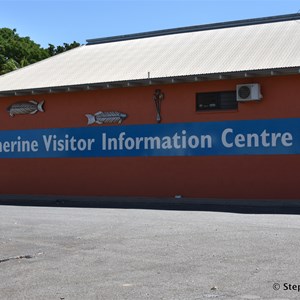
(243, 177)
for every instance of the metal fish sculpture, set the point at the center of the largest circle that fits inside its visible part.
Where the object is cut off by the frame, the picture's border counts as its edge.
(24, 108)
(106, 117)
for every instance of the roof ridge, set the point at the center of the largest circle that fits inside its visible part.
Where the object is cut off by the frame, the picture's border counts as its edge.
(211, 26)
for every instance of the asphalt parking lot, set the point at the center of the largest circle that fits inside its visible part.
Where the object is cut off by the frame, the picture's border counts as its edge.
(101, 253)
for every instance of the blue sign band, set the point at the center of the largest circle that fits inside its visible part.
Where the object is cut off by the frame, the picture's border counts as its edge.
(253, 137)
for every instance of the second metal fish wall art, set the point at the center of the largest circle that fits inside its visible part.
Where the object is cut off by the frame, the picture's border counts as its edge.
(24, 108)
(106, 117)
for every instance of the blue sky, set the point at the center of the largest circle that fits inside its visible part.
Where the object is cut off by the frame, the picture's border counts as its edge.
(56, 22)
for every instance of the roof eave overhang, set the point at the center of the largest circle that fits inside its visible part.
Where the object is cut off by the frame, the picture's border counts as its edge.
(154, 81)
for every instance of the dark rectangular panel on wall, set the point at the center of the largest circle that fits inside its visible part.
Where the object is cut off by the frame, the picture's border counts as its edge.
(216, 101)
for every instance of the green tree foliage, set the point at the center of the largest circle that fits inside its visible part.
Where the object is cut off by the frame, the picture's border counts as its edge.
(52, 50)
(17, 52)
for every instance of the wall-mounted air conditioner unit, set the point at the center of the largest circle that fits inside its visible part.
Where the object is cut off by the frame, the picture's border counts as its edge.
(248, 92)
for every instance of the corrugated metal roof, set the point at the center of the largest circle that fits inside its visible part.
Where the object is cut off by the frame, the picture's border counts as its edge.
(192, 55)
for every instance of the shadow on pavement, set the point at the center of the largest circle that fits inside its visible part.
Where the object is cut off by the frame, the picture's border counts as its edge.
(185, 204)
